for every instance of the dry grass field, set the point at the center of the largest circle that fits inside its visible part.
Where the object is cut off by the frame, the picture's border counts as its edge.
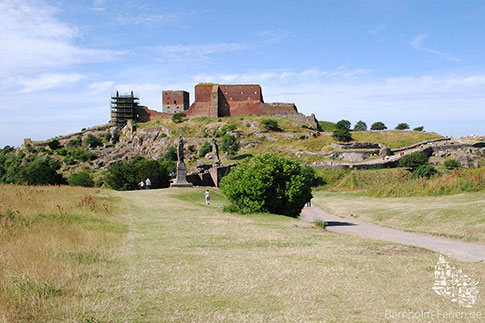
(182, 261)
(459, 216)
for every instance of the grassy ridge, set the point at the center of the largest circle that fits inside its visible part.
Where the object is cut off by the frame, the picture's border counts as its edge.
(54, 241)
(398, 182)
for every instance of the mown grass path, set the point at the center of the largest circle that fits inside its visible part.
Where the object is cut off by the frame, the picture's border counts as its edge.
(183, 261)
(459, 250)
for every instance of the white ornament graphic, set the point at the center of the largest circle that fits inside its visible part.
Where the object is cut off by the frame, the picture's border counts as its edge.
(453, 284)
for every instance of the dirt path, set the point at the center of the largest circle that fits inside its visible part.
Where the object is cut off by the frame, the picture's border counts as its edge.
(462, 251)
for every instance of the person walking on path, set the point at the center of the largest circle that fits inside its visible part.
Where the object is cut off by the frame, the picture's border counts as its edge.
(207, 197)
(141, 184)
(148, 183)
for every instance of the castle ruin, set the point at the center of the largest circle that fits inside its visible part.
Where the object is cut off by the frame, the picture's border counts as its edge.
(218, 100)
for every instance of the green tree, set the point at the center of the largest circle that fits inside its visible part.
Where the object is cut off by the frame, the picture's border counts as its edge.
(229, 145)
(43, 171)
(54, 144)
(413, 160)
(205, 149)
(178, 117)
(378, 126)
(125, 176)
(424, 171)
(360, 126)
(421, 128)
(83, 178)
(270, 125)
(342, 135)
(93, 141)
(268, 183)
(343, 124)
(402, 126)
(121, 176)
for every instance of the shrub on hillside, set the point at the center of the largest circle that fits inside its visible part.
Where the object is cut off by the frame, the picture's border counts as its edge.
(75, 142)
(205, 149)
(93, 141)
(378, 126)
(83, 178)
(54, 144)
(360, 126)
(343, 124)
(268, 183)
(421, 128)
(178, 117)
(424, 171)
(270, 125)
(402, 126)
(229, 144)
(452, 164)
(414, 160)
(342, 135)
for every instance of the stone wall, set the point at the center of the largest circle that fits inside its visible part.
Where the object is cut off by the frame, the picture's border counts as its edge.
(145, 114)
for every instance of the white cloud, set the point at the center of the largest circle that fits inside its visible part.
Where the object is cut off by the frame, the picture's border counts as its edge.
(33, 40)
(273, 36)
(417, 43)
(49, 81)
(200, 51)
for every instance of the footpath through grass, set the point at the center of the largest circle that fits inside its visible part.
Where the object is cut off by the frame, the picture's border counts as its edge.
(183, 261)
(188, 262)
(459, 216)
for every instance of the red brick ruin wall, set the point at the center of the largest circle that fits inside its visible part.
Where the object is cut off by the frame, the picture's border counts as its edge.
(175, 101)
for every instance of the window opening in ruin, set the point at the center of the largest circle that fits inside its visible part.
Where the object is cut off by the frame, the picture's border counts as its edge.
(174, 101)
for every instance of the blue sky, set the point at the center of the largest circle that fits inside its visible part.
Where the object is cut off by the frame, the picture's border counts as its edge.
(417, 61)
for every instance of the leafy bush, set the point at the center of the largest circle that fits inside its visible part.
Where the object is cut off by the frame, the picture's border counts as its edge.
(413, 160)
(229, 145)
(93, 141)
(107, 136)
(178, 117)
(54, 144)
(421, 128)
(378, 126)
(82, 155)
(360, 126)
(268, 184)
(452, 164)
(424, 171)
(83, 178)
(205, 149)
(343, 124)
(402, 126)
(270, 125)
(342, 135)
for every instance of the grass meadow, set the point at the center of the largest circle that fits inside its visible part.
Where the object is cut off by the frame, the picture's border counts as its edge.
(163, 255)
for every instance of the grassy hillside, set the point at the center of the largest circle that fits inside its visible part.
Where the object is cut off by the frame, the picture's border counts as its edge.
(184, 261)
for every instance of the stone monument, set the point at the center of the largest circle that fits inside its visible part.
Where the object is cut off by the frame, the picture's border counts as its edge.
(215, 151)
(181, 179)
